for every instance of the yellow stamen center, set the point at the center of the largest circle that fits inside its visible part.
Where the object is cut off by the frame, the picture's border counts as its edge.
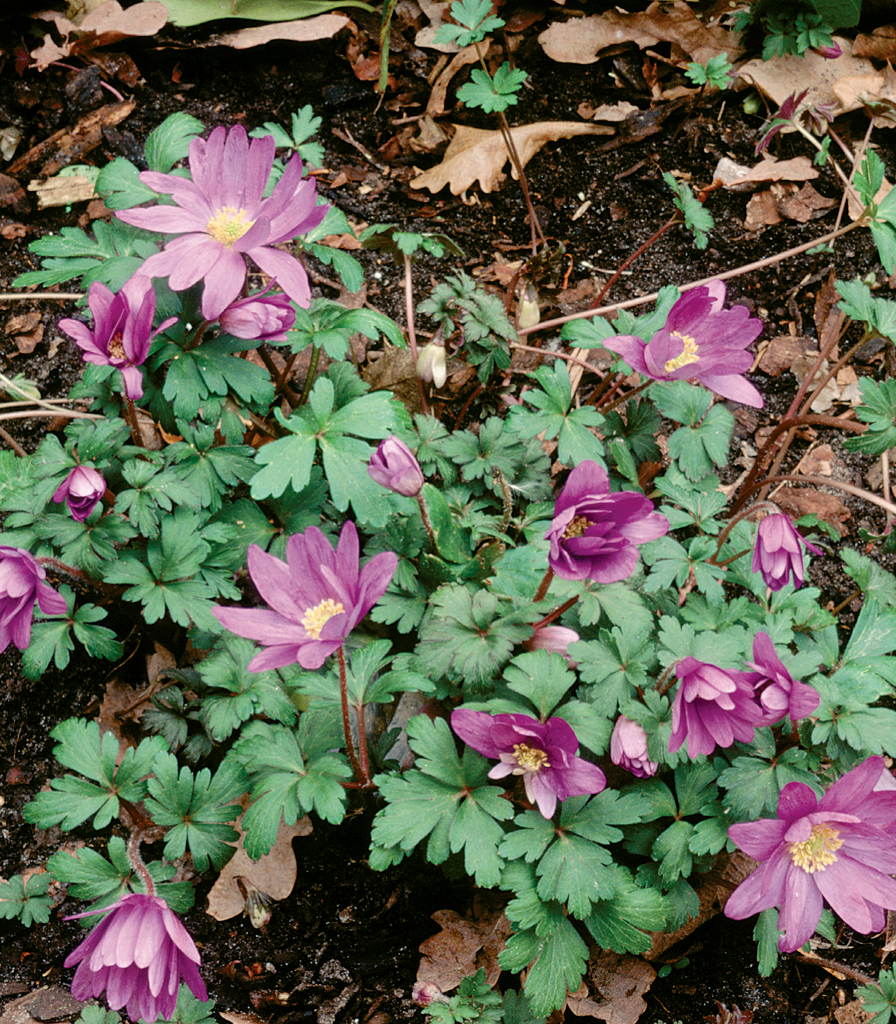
(315, 618)
(817, 852)
(116, 348)
(688, 353)
(530, 758)
(228, 225)
(577, 527)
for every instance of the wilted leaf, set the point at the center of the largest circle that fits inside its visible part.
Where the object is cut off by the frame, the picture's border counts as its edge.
(480, 155)
(617, 986)
(580, 40)
(323, 26)
(106, 24)
(738, 177)
(462, 947)
(855, 91)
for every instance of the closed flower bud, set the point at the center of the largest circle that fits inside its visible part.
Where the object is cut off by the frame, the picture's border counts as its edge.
(432, 364)
(82, 490)
(778, 554)
(628, 748)
(393, 465)
(259, 318)
(553, 638)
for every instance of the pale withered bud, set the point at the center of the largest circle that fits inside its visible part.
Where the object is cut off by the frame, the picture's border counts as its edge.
(432, 364)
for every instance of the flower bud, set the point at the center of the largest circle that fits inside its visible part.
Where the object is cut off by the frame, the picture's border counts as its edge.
(425, 992)
(628, 748)
(553, 638)
(82, 489)
(393, 465)
(432, 364)
(778, 554)
(259, 318)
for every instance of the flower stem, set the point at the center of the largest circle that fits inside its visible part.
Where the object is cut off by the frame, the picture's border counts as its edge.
(824, 481)
(309, 377)
(666, 680)
(136, 860)
(362, 776)
(427, 523)
(543, 586)
(78, 574)
(130, 417)
(412, 327)
(557, 612)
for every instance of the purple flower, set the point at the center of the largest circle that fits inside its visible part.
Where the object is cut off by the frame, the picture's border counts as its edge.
(259, 318)
(221, 217)
(628, 748)
(778, 553)
(555, 639)
(595, 534)
(836, 849)
(713, 707)
(542, 752)
(779, 694)
(138, 954)
(21, 585)
(699, 341)
(122, 329)
(393, 465)
(83, 489)
(315, 599)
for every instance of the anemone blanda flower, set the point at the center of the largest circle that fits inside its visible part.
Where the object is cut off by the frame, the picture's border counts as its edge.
(836, 849)
(315, 599)
(701, 341)
(21, 585)
(778, 554)
(544, 753)
(779, 693)
(595, 533)
(394, 465)
(713, 707)
(122, 329)
(221, 216)
(259, 317)
(138, 955)
(628, 748)
(82, 490)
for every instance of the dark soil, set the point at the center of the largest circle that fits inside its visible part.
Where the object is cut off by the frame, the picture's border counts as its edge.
(343, 946)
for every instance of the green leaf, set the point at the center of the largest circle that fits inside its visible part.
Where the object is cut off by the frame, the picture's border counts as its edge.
(493, 94)
(26, 899)
(875, 582)
(698, 220)
(542, 677)
(170, 141)
(120, 186)
(474, 22)
(880, 999)
(556, 964)
(767, 936)
(879, 411)
(185, 13)
(617, 923)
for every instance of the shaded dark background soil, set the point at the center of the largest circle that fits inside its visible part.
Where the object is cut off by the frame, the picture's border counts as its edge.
(345, 943)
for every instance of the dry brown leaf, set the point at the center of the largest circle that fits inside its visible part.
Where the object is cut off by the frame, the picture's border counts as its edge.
(781, 77)
(855, 91)
(615, 988)
(805, 501)
(323, 26)
(478, 155)
(240, 1018)
(274, 873)
(437, 11)
(786, 352)
(462, 947)
(805, 205)
(106, 24)
(468, 55)
(738, 177)
(580, 40)
(880, 45)
(62, 190)
(762, 211)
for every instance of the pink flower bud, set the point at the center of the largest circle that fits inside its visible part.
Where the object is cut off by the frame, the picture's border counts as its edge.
(82, 489)
(778, 554)
(259, 318)
(554, 638)
(393, 465)
(425, 992)
(628, 748)
(432, 364)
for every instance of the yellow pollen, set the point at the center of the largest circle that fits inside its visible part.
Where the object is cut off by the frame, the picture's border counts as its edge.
(817, 852)
(688, 354)
(530, 758)
(228, 225)
(577, 527)
(315, 618)
(116, 348)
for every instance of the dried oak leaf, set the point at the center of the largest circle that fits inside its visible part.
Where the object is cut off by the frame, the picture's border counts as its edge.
(323, 26)
(615, 988)
(580, 40)
(475, 154)
(106, 24)
(856, 91)
(463, 946)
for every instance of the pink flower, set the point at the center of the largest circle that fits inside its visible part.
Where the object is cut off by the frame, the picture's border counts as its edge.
(259, 318)
(542, 752)
(122, 329)
(595, 534)
(21, 585)
(700, 341)
(221, 216)
(138, 954)
(553, 638)
(836, 849)
(315, 599)
(779, 694)
(628, 748)
(83, 489)
(393, 465)
(713, 707)
(778, 554)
